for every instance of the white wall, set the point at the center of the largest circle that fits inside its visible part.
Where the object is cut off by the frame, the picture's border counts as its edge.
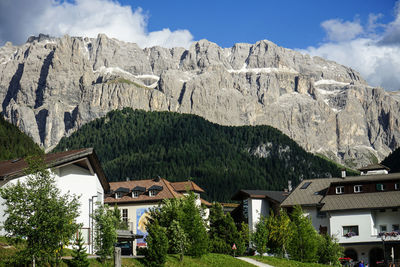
(316, 221)
(75, 180)
(387, 218)
(257, 208)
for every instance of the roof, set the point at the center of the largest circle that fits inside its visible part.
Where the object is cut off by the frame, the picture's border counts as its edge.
(374, 167)
(12, 169)
(377, 200)
(277, 196)
(315, 194)
(205, 202)
(166, 192)
(187, 185)
(312, 195)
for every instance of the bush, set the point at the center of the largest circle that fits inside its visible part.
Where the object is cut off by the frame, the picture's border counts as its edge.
(157, 245)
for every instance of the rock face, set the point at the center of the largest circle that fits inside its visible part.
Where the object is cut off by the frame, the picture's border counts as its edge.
(49, 87)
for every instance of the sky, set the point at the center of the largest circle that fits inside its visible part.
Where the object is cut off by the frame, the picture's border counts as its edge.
(362, 34)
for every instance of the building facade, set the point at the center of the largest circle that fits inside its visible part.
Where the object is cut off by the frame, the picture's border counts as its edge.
(362, 212)
(76, 172)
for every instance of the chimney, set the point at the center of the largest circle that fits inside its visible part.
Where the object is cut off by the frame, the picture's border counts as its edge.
(343, 173)
(290, 186)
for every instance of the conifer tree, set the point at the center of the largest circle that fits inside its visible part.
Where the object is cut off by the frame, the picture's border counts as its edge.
(79, 253)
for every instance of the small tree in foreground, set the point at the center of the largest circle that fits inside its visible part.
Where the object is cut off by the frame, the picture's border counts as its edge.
(329, 250)
(105, 231)
(260, 237)
(38, 213)
(157, 244)
(79, 253)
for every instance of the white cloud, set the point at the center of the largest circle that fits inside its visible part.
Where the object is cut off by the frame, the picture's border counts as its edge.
(337, 30)
(376, 55)
(83, 18)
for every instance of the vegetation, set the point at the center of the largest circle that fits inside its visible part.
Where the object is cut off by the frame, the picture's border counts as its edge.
(393, 161)
(280, 234)
(221, 159)
(224, 233)
(280, 262)
(105, 231)
(79, 253)
(39, 216)
(186, 217)
(157, 244)
(15, 144)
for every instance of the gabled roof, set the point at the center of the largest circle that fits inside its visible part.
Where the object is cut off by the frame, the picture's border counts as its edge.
(315, 194)
(12, 169)
(374, 167)
(122, 190)
(276, 196)
(187, 185)
(156, 187)
(376, 200)
(139, 188)
(167, 191)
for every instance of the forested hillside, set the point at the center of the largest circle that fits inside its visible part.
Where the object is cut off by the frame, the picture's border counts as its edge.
(393, 161)
(222, 160)
(14, 143)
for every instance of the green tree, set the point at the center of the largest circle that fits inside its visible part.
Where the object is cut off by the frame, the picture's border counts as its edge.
(105, 231)
(157, 245)
(177, 239)
(260, 236)
(278, 232)
(223, 231)
(119, 223)
(79, 255)
(329, 250)
(244, 239)
(38, 213)
(304, 239)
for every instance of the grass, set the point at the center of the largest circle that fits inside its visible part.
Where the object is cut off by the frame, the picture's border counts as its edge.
(208, 260)
(280, 262)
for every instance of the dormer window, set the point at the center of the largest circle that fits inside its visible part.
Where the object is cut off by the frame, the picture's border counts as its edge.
(118, 195)
(153, 193)
(396, 186)
(339, 190)
(154, 190)
(380, 187)
(137, 191)
(135, 194)
(357, 188)
(120, 192)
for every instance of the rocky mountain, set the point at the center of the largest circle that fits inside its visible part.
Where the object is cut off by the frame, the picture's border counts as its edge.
(49, 87)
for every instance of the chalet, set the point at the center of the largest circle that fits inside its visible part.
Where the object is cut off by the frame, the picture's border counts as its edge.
(135, 198)
(77, 172)
(361, 211)
(256, 203)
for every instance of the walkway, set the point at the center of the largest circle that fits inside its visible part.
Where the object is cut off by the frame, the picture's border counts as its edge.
(254, 262)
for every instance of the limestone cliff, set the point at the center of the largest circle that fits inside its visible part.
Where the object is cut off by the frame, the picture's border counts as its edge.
(49, 87)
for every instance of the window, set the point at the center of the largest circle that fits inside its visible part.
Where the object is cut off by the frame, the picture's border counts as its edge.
(380, 187)
(305, 185)
(382, 228)
(135, 194)
(152, 193)
(395, 227)
(396, 186)
(339, 189)
(357, 188)
(350, 231)
(118, 195)
(125, 215)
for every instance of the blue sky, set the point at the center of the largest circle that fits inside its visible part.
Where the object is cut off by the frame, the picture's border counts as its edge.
(289, 23)
(362, 34)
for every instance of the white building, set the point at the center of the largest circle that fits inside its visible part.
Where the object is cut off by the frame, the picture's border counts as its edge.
(256, 203)
(77, 172)
(363, 212)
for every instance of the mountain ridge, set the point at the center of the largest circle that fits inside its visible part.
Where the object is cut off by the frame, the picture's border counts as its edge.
(49, 87)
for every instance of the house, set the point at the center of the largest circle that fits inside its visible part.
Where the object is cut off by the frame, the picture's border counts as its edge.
(363, 212)
(256, 203)
(135, 198)
(77, 172)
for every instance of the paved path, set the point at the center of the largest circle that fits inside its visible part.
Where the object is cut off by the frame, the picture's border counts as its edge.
(254, 262)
